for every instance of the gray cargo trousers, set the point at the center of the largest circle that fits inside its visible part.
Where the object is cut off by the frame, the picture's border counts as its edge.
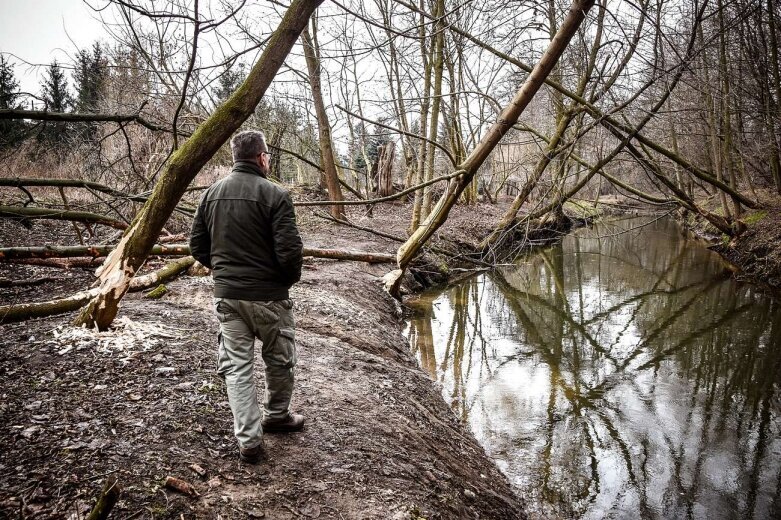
(272, 322)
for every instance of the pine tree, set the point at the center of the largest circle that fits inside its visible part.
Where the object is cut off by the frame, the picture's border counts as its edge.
(56, 98)
(228, 82)
(11, 131)
(90, 78)
(90, 82)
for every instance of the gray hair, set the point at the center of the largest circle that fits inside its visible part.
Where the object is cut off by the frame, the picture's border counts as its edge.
(247, 145)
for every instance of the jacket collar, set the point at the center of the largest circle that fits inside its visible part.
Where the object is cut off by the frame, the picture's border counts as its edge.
(247, 167)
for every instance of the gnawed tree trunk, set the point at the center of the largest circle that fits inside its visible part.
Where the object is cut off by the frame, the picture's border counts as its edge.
(382, 170)
(324, 128)
(23, 253)
(26, 311)
(184, 164)
(508, 117)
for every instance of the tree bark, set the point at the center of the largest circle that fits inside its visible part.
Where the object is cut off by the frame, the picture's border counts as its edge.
(324, 128)
(506, 120)
(382, 170)
(184, 164)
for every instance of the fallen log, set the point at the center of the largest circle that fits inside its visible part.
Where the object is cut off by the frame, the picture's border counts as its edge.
(21, 253)
(59, 263)
(85, 217)
(96, 251)
(25, 311)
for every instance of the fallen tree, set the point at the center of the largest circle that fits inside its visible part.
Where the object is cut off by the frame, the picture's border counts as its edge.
(25, 311)
(24, 253)
(85, 217)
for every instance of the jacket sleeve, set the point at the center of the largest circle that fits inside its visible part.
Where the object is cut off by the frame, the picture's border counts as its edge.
(288, 246)
(200, 239)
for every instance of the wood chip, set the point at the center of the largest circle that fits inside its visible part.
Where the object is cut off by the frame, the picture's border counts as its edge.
(198, 470)
(181, 486)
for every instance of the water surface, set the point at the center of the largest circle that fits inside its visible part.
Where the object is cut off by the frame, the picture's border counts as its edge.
(619, 374)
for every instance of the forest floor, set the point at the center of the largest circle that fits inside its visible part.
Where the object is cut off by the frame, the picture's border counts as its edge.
(142, 401)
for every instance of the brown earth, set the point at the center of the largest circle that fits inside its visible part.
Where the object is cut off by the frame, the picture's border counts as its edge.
(757, 252)
(143, 402)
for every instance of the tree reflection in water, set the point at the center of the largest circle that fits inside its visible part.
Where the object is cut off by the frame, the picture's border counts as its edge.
(625, 376)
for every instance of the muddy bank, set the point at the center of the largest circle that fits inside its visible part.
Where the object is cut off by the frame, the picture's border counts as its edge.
(756, 253)
(143, 402)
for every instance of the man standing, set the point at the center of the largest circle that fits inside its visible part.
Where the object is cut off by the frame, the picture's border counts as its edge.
(245, 231)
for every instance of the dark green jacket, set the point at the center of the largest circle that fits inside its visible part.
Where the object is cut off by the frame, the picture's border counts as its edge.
(245, 230)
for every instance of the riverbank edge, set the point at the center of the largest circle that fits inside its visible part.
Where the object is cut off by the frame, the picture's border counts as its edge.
(754, 256)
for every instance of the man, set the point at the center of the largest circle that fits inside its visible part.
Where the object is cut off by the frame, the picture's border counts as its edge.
(245, 231)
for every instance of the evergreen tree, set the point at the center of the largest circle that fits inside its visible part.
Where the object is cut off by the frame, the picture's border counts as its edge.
(90, 82)
(228, 82)
(90, 78)
(56, 98)
(11, 131)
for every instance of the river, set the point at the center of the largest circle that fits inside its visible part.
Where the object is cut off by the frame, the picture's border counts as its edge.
(621, 373)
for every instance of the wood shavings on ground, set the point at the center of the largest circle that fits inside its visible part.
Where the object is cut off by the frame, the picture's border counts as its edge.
(126, 338)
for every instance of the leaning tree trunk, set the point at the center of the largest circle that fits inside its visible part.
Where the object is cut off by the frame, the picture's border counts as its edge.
(324, 128)
(506, 120)
(121, 265)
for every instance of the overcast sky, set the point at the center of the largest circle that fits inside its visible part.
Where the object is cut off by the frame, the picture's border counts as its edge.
(39, 31)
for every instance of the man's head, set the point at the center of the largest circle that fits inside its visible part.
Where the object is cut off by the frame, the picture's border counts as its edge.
(250, 145)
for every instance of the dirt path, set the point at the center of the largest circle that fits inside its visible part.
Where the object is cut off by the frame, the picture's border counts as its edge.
(143, 402)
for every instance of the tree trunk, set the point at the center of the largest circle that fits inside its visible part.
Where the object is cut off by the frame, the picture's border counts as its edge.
(324, 129)
(382, 172)
(26, 311)
(506, 120)
(437, 66)
(184, 164)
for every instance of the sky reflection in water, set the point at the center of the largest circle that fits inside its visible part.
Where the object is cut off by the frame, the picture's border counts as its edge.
(624, 376)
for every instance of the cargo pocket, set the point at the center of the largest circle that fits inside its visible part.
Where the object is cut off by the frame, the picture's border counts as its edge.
(282, 353)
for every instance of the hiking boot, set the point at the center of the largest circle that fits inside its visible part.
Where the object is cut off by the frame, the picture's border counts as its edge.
(251, 455)
(292, 423)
